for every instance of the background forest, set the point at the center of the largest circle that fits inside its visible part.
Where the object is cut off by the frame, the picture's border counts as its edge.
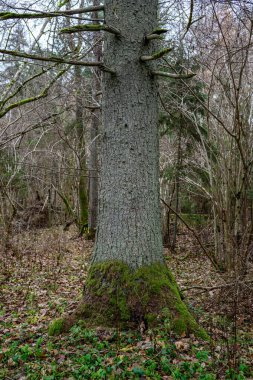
(50, 140)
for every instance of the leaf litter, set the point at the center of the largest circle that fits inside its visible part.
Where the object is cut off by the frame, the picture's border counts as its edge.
(44, 279)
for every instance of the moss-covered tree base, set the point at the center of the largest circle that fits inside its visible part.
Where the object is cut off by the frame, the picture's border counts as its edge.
(115, 295)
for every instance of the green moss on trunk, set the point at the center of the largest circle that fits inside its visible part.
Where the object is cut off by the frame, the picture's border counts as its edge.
(116, 295)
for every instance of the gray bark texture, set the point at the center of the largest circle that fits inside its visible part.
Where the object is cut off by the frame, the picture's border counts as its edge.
(94, 132)
(129, 224)
(93, 162)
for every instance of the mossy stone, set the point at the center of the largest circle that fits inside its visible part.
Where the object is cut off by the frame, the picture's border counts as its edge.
(56, 327)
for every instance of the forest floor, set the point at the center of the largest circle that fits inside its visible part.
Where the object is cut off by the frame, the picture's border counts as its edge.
(42, 277)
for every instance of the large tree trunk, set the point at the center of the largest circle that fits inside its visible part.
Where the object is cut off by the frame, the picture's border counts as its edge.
(129, 227)
(128, 282)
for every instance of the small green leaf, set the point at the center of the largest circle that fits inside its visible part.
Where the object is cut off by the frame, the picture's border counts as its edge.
(62, 3)
(138, 371)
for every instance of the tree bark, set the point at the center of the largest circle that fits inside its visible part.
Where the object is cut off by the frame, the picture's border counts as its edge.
(80, 134)
(128, 283)
(129, 227)
(82, 167)
(94, 132)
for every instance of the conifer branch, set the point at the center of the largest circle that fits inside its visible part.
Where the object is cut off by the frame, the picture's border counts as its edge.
(173, 76)
(90, 28)
(150, 37)
(157, 55)
(156, 34)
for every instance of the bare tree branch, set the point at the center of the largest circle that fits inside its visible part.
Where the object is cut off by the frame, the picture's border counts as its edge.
(38, 14)
(55, 59)
(193, 232)
(43, 94)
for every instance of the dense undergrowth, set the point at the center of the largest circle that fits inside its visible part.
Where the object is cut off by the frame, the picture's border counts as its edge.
(42, 278)
(114, 354)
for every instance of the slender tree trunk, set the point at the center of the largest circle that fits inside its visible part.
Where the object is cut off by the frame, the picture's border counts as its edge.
(177, 185)
(82, 167)
(94, 132)
(80, 133)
